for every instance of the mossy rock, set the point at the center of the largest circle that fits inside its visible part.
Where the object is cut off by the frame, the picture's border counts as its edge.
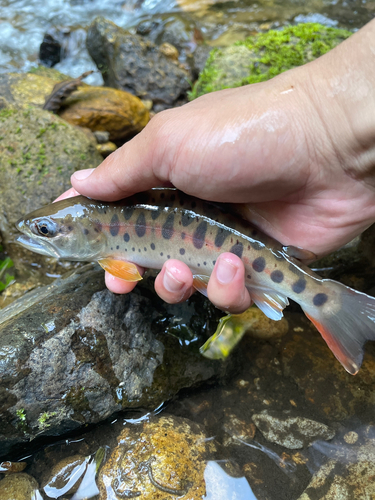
(266, 55)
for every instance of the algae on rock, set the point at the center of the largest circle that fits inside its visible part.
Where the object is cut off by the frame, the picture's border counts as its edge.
(266, 55)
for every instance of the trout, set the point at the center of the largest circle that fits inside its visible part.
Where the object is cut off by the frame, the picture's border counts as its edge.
(151, 227)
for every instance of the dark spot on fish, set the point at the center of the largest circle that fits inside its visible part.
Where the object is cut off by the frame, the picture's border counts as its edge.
(133, 249)
(182, 202)
(101, 209)
(199, 234)
(168, 256)
(214, 262)
(167, 230)
(256, 245)
(173, 197)
(86, 231)
(221, 236)
(162, 196)
(140, 225)
(139, 250)
(320, 299)
(205, 263)
(155, 213)
(114, 225)
(152, 246)
(193, 204)
(186, 219)
(127, 212)
(161, 254)
(145, 249)
(254, 232)
(248, 276)
(183, 235)
(199, 265)
(126, 237)
(237, 249)
(70, 228)
(299, 286)
(153, 200)
(259, 264)
(182, 251)
(277, 276)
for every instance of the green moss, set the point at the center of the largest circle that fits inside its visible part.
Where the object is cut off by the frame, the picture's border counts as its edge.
(6, 278)
(269, 54)
(44, 418)
(6, 113)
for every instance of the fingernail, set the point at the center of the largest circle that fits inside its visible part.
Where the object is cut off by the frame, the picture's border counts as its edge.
(225, 271)
(171, 283)
(81, 175)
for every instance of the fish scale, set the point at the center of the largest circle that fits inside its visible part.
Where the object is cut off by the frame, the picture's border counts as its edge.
(149, 228)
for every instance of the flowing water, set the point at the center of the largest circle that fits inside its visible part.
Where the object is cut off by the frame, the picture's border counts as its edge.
(288, 376)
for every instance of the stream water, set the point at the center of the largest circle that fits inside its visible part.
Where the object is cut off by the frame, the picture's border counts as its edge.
(290, 376)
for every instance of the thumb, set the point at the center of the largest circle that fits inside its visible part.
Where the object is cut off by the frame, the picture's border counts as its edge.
(126, 171)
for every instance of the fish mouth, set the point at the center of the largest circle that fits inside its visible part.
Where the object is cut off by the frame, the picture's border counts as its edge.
(41, 247)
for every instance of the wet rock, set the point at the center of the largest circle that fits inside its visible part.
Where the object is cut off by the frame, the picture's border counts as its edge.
(9, 467)
(59, 43)
(106, 149)
(165, 455)
(266, 55)
(348, 473)
(65, 476)
(306, 359)
(78, 353)
(129, 63)
(105, 109)
(291, 432)
(38, 153)
(18, 486)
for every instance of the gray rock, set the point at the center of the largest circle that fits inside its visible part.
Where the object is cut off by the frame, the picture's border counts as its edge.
(291, 432)
(129, 63)
(38, 154)
(79, 353)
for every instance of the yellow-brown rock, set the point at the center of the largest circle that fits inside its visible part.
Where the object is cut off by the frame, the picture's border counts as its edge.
(102, 108)
(166, 457)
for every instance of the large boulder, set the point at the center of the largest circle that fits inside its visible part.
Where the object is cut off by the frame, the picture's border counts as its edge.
(266, 55)
(129, 63)
(73, 353)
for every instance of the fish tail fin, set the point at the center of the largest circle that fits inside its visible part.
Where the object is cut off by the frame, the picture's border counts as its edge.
(345, 329)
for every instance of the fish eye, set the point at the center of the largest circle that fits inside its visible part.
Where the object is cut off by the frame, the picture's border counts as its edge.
(45, 227)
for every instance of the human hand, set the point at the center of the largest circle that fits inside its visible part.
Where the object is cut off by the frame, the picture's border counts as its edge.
(292, 149)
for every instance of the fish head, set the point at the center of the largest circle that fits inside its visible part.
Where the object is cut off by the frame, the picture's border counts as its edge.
(63, 230)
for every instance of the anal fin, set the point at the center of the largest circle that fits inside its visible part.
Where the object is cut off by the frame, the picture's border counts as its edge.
(126, 271)
(200, 282)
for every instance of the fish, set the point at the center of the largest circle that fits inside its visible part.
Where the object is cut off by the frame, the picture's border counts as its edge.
(151, 227)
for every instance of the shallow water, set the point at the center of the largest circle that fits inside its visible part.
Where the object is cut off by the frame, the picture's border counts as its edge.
(275, 374)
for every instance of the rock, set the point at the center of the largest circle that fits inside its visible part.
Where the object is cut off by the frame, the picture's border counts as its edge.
(163, 455)
(306, 359)
(65, 476)
(106, 149)
(76, 353)
(59, 43)
(129, 63)
(265, 55)
(38, 154)
(19, 486)
(348, 473)
(291, 432)
(102, 108)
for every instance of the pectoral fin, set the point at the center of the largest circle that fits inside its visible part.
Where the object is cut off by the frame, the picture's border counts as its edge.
(126, 271)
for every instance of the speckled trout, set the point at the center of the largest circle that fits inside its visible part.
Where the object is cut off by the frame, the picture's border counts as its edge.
(151, 227)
